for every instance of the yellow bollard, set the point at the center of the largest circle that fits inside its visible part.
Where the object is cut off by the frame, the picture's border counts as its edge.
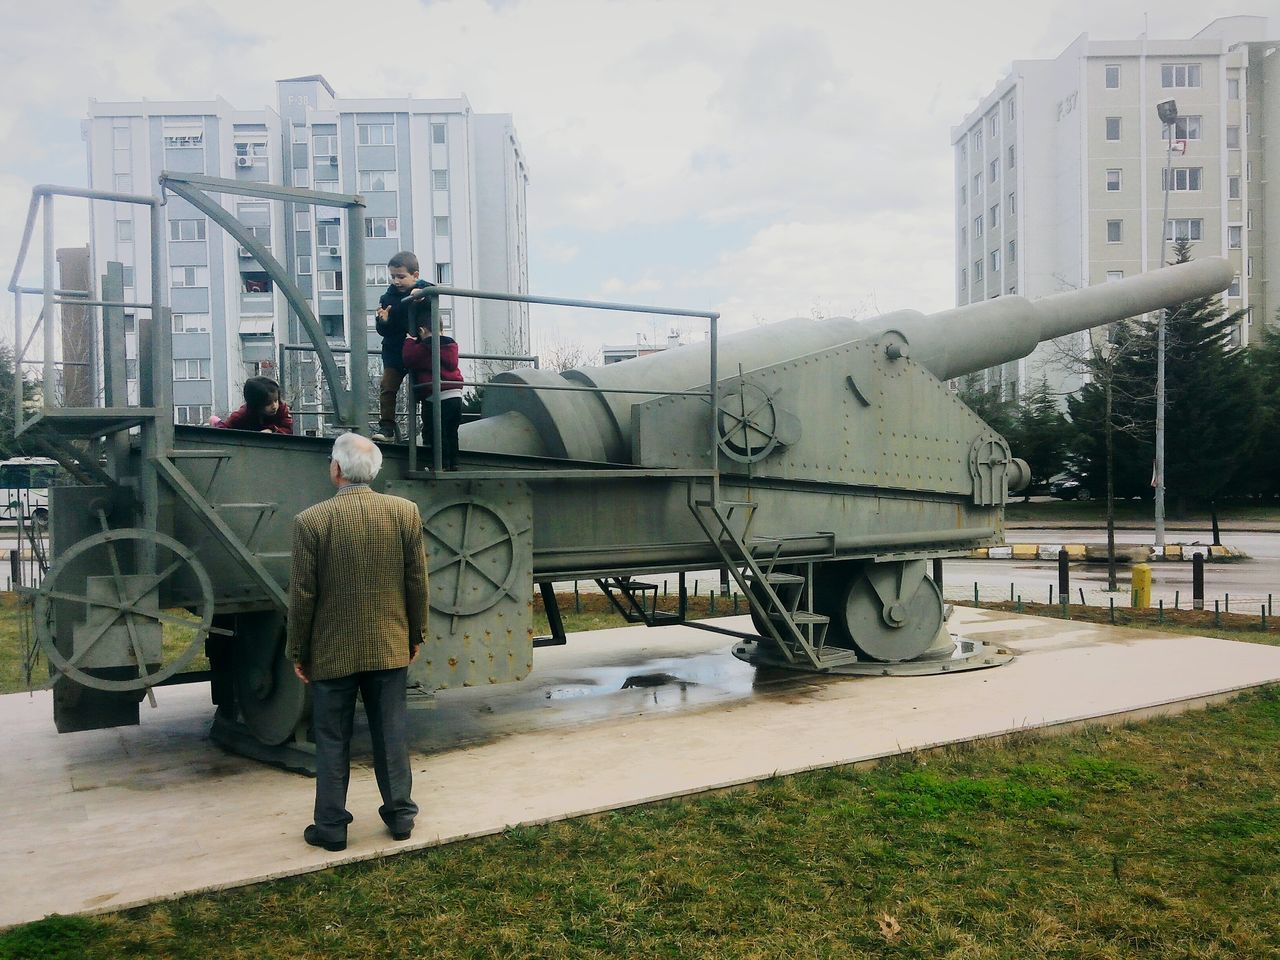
(1140, 591)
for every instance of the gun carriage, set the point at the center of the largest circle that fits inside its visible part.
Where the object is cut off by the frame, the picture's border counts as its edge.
(821, 462)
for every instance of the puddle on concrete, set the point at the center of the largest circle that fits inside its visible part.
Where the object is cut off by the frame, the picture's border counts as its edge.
(621, 687)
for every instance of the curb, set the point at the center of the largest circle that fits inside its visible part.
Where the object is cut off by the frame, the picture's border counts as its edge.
(1125, 553)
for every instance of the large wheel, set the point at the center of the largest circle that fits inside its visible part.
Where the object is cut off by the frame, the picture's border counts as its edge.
(126, 606)
(272, 701)
(893, 612)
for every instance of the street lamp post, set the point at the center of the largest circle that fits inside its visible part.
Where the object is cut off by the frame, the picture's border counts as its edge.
(1167, 111)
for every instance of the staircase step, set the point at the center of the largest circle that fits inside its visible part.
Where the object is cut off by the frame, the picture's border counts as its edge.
(244, 506)
(635, 586)
(728, 503)
(799, 616)
(836, 656)
(779, 578)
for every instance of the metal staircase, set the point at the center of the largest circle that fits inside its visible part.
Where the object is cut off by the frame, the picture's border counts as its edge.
(781, 600)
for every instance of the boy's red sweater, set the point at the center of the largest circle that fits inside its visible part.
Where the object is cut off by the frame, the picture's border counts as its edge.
(417, 358)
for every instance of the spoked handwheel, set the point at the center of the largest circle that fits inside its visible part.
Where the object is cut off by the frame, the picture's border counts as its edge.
(123, 622)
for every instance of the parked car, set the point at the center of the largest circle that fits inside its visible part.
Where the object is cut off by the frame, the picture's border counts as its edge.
(1067, 487)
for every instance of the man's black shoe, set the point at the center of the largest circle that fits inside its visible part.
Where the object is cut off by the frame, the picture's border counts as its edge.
(312, 836)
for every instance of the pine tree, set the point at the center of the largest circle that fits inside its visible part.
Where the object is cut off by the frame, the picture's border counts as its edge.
(1041, 434)
(1264, 358)
(9, 445)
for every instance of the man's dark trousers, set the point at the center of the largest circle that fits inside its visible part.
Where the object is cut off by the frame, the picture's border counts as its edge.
(333, 707)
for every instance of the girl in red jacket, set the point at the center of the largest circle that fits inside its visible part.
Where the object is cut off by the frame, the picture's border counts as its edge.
(263, 410)
(417, 360)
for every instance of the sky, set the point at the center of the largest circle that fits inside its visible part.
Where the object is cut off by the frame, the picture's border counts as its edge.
(762, 159)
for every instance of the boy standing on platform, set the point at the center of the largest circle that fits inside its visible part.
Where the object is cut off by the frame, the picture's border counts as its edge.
(394, 322)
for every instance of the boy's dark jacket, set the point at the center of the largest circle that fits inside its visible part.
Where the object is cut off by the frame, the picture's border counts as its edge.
(417, 358)
(402, 321)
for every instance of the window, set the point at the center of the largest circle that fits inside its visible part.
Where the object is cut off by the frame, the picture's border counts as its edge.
(1013, 288)
(442, 226)
(1113, 181)
(1113, 128)
(123, 183)
(131, 368)
(964, 278)
(375, 180)
(977, 226)
(1247, 124)
(1248, 268)
(254, 150)
(328, 186)
(324, 145)
(1233, 89)
(993, 124)
(329, 280)
(1184, 178)
(120, 138)
(977, 270)
(1013, 157)
(299, 133)
(1191, 229)
(439, 179)
(178, 135)
(995, 215)
(1248, 219)
(446, 320)
(964, 236)
(376, 275)
(1115, 275)
(332, 324)
(1112, 72)
(438, 133)
(1233, 188)
(1180, 75)
(1234, 238)
(197, 414)
(327, 235)
(1248, 170)
(379, 227)
(370, 134)
(1013, 109)
(257, 282)
(124, 231)
(302, 178)
(127, 277)
(1115, 231)
(964, 194)
(189, 276)
(302, 220)
(1233, 138)
(1234, 289)
(977, 185)
(444, 273)
(191, 369)
(190, 323)
(995, 261)
(1013, 253)
(993, 169)
(964, 150)
(304, 266)
(186, 229)
(1185, 128)
(1013, 204)
(130, 323)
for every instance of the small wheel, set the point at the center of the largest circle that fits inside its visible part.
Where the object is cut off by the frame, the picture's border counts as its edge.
(1083, 494)
(41, 516)
(125, 606)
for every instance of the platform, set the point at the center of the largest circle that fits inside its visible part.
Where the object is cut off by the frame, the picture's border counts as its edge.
(112, 818)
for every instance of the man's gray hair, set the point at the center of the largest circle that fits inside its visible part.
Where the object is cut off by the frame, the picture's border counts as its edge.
(358, 457)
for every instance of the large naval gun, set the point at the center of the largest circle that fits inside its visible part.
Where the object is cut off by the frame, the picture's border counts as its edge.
(822, 463)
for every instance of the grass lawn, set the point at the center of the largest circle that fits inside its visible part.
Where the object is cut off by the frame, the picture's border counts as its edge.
(1160, 839)
(1094, 512)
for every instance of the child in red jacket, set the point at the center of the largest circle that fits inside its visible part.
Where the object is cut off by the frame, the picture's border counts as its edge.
(263, 409)
(417, 360)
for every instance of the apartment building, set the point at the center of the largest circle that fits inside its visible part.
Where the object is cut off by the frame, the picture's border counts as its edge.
(1060, 174)
(437, 178)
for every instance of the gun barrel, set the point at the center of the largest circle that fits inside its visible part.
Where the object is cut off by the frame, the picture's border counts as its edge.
(971, 338)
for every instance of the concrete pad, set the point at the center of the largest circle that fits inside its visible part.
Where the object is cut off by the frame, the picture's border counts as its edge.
(112, 818)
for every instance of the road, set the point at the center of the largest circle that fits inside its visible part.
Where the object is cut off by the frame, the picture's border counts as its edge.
(1247, 583)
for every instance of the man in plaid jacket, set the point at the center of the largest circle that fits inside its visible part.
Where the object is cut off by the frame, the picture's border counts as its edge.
(357, 613)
